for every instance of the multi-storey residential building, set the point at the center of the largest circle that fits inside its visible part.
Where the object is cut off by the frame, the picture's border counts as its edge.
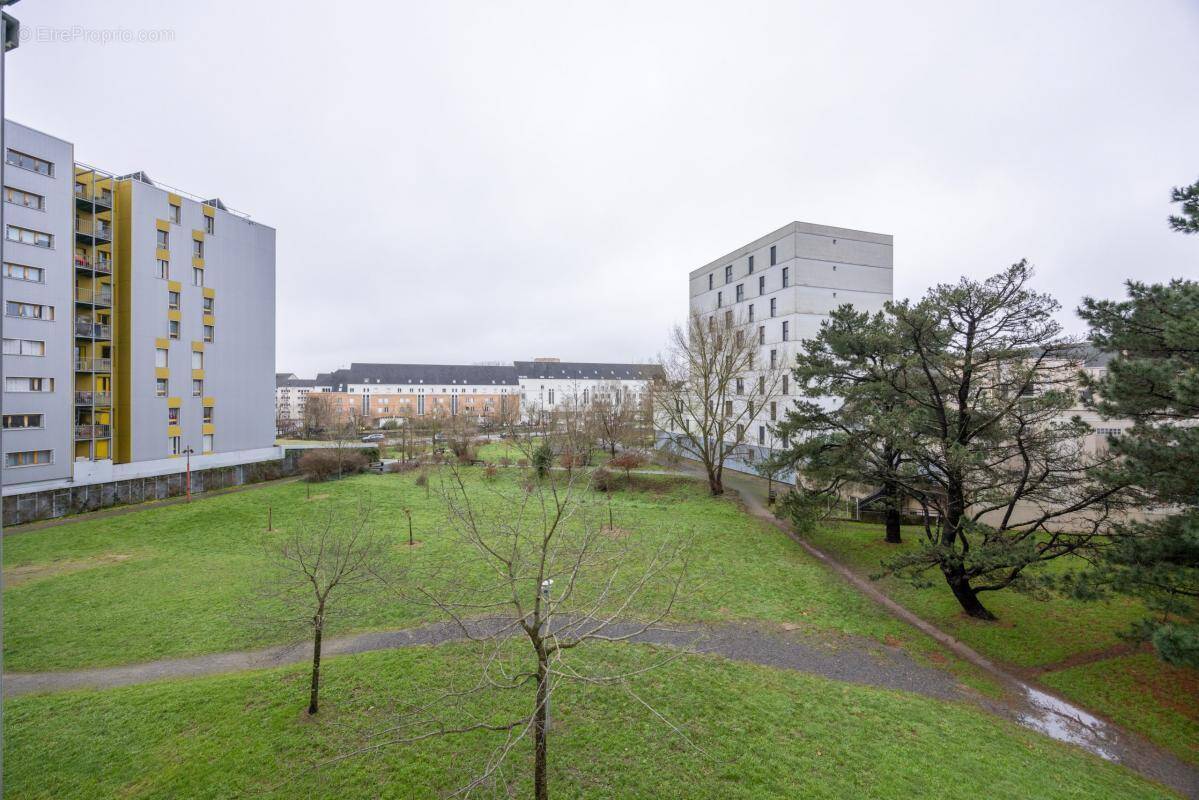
(783, 285)
(382, 392)
(548, 384)
(157, 320)
(290, 394)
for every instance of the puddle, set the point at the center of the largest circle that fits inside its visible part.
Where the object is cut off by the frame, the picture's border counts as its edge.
(1066, 723)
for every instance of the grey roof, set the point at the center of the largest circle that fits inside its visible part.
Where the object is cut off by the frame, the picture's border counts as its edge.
(1091, 355)
(289, 379)
(584, 370)
(428, 374)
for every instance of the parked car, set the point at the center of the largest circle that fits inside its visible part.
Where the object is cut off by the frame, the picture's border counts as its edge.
(373, 437)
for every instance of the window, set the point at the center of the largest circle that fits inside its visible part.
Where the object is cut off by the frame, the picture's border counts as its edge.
(761, 334)
(28, 458)
(24, 347)
(164, 240)
(209, 333)
(740, 386)
(20, 272)
(761, 284)
(160, 357)
(750, 407)
(173, 328)
(198, 276)
(551, 396)
(773, 255)
(26, 161)
(785, 387)
(16, 422)
(197, 359)
(773, 306)
(207, 446)
(164, 268)
(208, 414)
(751, 265)
(728, 408)
(761, 434)
(28, 236)
(174, 445)
(15, 308)
(786, 277)
(198, 248)
(728, 274)
(751, 312)
(774, 355)
(197, 387)
(208, 305)
(740, 431)
(209, 224)
(719, 299)
(20, 197)
(740, 292)
(176, 213)
(774, 411)
(28, 384)
(173, 300)
(172, 416)
(786, 331)
(161, 387)
(728, 318)
(710, 276)
(762, 384)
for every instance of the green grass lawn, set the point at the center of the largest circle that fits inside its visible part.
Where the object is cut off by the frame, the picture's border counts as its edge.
(1140, 691)
(763, 734)
(184, 579)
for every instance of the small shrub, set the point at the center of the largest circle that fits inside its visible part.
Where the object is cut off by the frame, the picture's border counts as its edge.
(490, 472)
(543, 459)
(422, 479)
(402, 466)
(321, 465)
(802, 509)
(628, 460)
(603, 480)
(505, 461)
(523, 463)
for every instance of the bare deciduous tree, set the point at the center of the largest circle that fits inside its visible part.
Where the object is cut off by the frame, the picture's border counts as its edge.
(717, 383)
(327, 554)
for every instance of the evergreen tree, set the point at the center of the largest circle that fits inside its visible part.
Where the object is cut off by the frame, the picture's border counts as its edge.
(1188, 220)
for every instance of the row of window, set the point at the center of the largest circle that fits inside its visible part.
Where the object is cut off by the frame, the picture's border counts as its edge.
(162, 357)
(164, 243)
(24, 347)
(28, 384)
(175, 214)
(173, 415)
(728, 270)
(740, 288)
(15, 233)
(22, 272)
(17, 422)
(28, 458)
(162, 387)
(32, 163)
(175, 444)
(786, 387)
(20, 197)
(16, 308)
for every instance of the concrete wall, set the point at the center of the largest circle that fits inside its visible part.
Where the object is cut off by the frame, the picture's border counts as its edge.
(57, 290)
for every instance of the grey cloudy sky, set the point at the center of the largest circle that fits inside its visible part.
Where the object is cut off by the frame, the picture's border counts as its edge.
(460, 182)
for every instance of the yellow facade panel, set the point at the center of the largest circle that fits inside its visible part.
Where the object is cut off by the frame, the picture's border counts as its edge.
(197, 262)
(209, 402)
(162, 225)
(174, 430)
(209, 211)
(162, 344)
(209, 319)
(162, 254)
(174, 199)
(198, 235)
(175, 286)
(208, 428)
(197, 374)
(209, 292)
(162, 372)
(174, 402)
(174, 315)
(197, 347)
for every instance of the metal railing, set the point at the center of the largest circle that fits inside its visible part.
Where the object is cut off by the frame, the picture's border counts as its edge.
(99, 198)
(93, 398)
(93, 365)
(97, 296)
(91, 431)
(93, 330)
(94, 229)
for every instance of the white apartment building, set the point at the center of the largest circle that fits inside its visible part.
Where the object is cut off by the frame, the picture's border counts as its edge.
(784, 285)
(290, 394)
(549, 384)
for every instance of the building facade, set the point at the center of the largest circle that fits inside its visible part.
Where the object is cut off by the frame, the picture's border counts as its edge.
(378, 393)
(783, 285)
(291, 393)
(159, 341)
(548, 384)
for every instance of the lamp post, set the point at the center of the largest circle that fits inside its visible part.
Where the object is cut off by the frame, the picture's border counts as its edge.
(188, 452)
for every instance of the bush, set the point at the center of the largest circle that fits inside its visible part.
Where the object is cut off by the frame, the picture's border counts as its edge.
(603, 480)
(326, 463)
(505, 461)
(628, 460)
(402, 466)
(422, 479)
(543, 459)
(802, 509)
(522, 463)
(490, 472)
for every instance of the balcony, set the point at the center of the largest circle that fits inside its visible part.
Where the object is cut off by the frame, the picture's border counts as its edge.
(101, 265)
(92, 330)
(91, 432)
(93, 231)
(93, 365)
(86, 200)
(102, 399)
(96, 297)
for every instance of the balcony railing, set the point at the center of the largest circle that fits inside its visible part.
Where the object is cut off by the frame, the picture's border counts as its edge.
(99, 198)
(93, 330)
(103, 265)
(93, 398)
(94, 229)
(100, 297)
(93, 365)
(91, 431)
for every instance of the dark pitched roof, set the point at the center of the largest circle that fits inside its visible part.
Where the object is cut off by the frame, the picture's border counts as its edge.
(427, 374)
(585, 370)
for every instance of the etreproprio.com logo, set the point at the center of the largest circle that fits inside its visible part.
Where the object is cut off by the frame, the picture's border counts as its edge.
(80, 34)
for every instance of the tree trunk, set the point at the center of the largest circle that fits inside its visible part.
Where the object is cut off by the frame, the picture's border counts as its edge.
(319, 624)
(541, 787)
(966, 596)
(892, 522)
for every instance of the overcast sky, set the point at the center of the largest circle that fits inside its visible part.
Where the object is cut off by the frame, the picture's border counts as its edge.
(464, 182)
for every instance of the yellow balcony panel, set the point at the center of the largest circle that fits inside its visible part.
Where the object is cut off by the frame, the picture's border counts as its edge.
(197, 374)
(175, 286)
(209, 319)
(209, 211)
(209, 292)
(197, 347)
(209, 402)
(197, 262)
(162, 372)
(162, 344)
(198, 235)
(208, 428)
(174, 402)
(162, 254)
(174, 314)
(174, 199)
(162, 224)
(174, 430)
